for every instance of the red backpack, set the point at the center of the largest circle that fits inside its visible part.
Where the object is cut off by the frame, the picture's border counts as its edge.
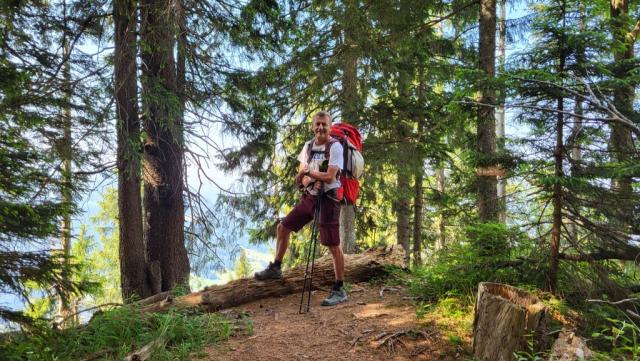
(353, 166)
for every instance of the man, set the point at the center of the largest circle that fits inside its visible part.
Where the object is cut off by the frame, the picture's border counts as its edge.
(316, 182)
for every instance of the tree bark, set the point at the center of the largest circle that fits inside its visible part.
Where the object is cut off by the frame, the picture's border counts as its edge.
(504, 317)
(558, 155)
(621, 140)
(574, 137)
(347, 228)
(133, 270)
(417, 217)
(358, 268)
(402, 212)
(163, 148)
(349, 99)
(442, 222)
(403, 169)
(500, 113)
(557, 201)
(486, 129)
(65, 152)
(350, 107)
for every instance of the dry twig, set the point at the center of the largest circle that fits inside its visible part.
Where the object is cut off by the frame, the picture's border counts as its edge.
(616, 302)
(390, 289)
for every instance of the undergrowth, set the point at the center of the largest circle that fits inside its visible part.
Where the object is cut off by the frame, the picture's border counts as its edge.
(445, 289)
(113, 334)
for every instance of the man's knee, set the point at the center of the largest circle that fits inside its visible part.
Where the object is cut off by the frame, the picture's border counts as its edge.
(335, 250)
(282, 230)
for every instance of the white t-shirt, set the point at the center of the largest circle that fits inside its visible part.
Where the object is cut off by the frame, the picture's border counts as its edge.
(317, 157)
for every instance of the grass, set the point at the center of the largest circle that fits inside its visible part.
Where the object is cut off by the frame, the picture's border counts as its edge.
(115, 333)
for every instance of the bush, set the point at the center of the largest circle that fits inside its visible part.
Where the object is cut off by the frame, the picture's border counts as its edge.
(488, 253)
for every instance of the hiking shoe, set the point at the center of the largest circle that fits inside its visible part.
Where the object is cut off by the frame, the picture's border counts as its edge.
(270, 273)
(335, 297)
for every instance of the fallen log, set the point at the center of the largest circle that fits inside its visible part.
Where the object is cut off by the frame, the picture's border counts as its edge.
(505, 316)
(358, 268)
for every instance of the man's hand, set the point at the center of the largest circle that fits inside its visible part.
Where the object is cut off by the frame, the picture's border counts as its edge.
(306, 180)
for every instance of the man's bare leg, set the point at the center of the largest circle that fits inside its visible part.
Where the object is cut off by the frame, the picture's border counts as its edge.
(338, 262)
(282, 241)
(338, 293)
(274, 271)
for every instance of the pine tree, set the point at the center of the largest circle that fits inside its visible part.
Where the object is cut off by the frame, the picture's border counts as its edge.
(243, 268)
(36, 148)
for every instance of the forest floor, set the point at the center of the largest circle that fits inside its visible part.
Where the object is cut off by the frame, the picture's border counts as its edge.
(376, 323)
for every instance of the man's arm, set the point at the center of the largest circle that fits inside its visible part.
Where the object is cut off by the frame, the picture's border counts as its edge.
(326, 177)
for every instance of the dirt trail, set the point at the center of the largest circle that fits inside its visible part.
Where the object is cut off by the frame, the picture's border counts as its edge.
(367, 327)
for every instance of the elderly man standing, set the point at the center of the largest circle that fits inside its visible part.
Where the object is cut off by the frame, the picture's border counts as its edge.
(318, 181)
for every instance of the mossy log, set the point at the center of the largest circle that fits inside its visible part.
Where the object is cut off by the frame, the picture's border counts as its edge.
(358, 268)
(505, 318)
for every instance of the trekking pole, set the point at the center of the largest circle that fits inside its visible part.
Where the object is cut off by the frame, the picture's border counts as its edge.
(311, 256)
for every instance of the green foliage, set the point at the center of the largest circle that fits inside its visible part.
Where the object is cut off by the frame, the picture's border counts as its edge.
(243, 268)
(105, 259)
(118, 332)
(612, 333)
(622, 337)
(486, 255)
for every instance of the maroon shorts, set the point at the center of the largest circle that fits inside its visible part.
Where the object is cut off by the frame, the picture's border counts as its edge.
(303, 213)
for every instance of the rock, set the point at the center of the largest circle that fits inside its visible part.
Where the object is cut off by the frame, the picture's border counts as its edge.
(569, 347)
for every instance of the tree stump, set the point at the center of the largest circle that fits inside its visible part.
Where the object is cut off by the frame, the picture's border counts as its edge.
(505, 316)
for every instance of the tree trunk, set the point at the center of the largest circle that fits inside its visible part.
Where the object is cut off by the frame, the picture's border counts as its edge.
(347, 228)
(558, 155)
(500, 111)
(576, 152)
(417, 217)
(133, 270)
(442, 221)
(350, 107)
(402, 213)
(349, 99)
(576, 157)
(621, 140)
(418, 204)
(403, 169)
(163, 148)
(557, 200)
(65, 152)
(487, 185)
(358, 268)
(504, 317)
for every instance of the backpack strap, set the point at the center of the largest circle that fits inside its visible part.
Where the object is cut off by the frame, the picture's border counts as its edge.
(309, 145)
(327, 153)
(327, 147)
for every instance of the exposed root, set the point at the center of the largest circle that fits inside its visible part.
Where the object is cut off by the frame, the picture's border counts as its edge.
(391, 339)
(362, 335)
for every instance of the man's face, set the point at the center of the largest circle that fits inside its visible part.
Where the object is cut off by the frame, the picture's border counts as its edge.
(320, 128)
